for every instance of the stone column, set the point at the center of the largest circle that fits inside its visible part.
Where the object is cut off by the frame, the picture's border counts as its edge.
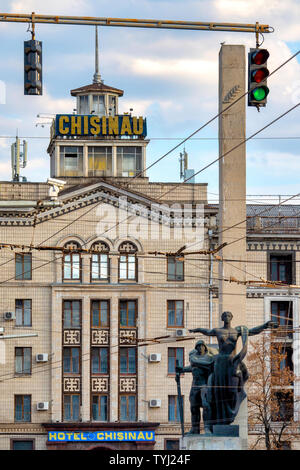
(232, 181)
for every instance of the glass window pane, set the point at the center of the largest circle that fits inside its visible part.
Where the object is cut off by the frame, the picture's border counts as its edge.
(171, 408)
(171, 269)
(95, 361)
(95, 314)
(131, 408)
(27, 360)
(75, 266)
(19, 267)
(27, 407)
(132, 361)
(76, 313)
(123, 408)
(75, 407)
(95, 267)
(27, 312)
(179, 356)
(131, 313)
(95, 408)
(75, 360)
(171, 313)
(123, 361)
(104, 313)
(67, 359)
(19, 360)
(67, 408)
(104, 361)
(103, 408)
(123, 314)
(179, 313)
(22, 445)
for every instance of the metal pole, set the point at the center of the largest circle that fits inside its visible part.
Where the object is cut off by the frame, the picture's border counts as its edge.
(177, 378)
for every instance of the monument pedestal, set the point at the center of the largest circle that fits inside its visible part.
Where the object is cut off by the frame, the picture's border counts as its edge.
(210, 442)
(224, 437)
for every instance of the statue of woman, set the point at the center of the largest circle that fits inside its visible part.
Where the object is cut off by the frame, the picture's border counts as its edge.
(225, 385)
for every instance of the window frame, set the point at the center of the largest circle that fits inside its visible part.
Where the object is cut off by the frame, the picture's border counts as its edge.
(72, 327)
(127, 348)
(176, 408)
(13, 440)
(99, 349)
(65, 395)
(282, 254)
(30, 408)
(99, 314)
(128, 395)
(175, 310)
(71, 359)
(21, 277)
(71, 263)
(175, 269)
(175, 358)
(135, 301)
(22, 348)
(127, 263)
(99, 278)
(23, 309)
(99, 396)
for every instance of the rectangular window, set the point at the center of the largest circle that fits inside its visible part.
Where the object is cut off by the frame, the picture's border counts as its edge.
(99, 267)
(128, 313)
(22, 408)
(282, 313)
(175, 269)
(71, 407)
(72, 266)
(71, 160)
(281, 268)
(100, 161)
(171, 444)
(99, 407)
(129, 161)
(127, 360)
(127, 408)
(283, 405)
(127, 267)
(100, 313)
(173, 409)
(23, 312)
(98, 105)
(23, 263)
(23, 361)
(99, 360)
(72, 313)
(71, 357)
(173, 355)
(175, 313)
(18, 444)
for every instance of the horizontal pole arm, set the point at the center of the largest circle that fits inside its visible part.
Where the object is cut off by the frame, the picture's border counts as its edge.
(136, 23)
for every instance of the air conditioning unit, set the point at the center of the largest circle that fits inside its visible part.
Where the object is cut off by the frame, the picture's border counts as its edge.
(155, 357)
(155, 403)
(181, 332)
(9, 315)
(42, 406)
(41, 357)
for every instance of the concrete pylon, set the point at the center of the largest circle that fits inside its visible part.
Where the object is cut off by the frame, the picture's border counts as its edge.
(232, 180)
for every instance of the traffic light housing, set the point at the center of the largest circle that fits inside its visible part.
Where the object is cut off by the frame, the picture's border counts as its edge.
(257, 73)
(33, 84)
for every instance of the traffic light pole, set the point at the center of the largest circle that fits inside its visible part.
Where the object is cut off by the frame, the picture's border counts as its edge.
(135, 23)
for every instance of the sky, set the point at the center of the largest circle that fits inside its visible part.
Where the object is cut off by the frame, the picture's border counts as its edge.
(169, 77)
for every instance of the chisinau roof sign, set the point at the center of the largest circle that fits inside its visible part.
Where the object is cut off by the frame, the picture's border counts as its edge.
(93, 125)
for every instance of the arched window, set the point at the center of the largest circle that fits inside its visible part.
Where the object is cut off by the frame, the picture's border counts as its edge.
(100, 262)
(72, 263)
(128, 262)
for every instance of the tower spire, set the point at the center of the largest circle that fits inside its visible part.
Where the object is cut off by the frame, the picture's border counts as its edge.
(97, 76)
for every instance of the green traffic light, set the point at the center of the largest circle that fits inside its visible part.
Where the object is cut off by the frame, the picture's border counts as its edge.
(260, 93)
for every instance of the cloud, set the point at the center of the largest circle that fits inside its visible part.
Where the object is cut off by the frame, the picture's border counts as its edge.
(57, 7)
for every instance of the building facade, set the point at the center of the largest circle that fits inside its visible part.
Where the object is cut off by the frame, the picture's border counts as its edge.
(96, 320)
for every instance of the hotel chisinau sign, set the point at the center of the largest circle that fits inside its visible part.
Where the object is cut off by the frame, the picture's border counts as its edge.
(93, 125)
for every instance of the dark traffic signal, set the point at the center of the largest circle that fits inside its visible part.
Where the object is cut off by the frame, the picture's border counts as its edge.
(33, 68)
(257, 74)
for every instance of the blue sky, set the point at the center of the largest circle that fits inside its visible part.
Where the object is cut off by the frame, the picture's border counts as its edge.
(170, 77)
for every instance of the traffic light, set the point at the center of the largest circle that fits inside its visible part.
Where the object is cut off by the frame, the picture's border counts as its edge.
(33, 68)
(257, 72)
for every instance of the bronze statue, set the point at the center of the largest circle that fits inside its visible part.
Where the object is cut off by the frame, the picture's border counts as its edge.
(201, 366)
(225, 386)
